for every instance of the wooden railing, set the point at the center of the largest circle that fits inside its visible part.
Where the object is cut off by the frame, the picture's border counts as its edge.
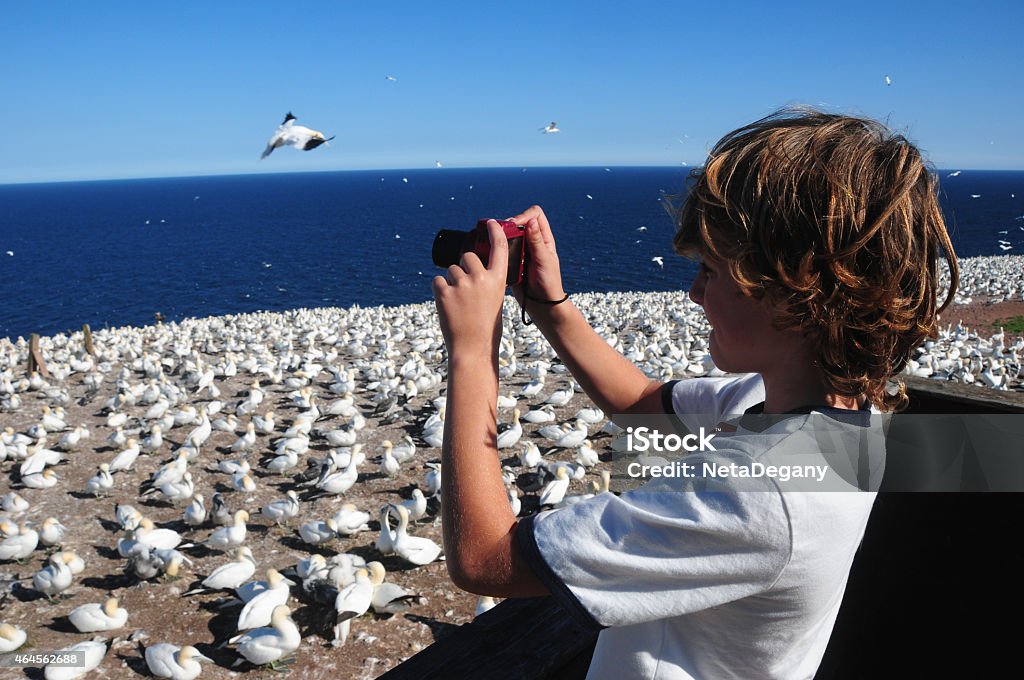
(934, 590)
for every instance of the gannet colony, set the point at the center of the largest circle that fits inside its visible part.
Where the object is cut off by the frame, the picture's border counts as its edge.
(218, 495)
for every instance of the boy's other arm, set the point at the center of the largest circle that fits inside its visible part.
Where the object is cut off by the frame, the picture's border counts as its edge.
(479, 527)
(611, 380)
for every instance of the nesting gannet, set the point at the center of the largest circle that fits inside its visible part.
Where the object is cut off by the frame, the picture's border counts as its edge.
(554, 491)
(388, 598)
(389, 465)
(405, 450)
(432, 479)
(46, 479)
(417, 505)
(95, 617)
(93, 652)
(296, 136)
(565, 438)
(586, 455)
(243, 481)
(264, 424)
(153, 442)
(258, 610)
(231, 575)
(545, 413)
(229, 537)
(247, 440)
(51, 532)
(219, 511)
(416, 549)
(125, 459)
(11, 637)
(195, 511)
(165, 660)
(560, 397)
(339, 482)
(126, 516)
(100, 483)
(550, 128)
(349, 520)
(282, 509)
(161, 539)
(318, 532)
(54, 578)
(13, 502)
(353, 600)
(509, 433)
(267, 645)
(530, 457)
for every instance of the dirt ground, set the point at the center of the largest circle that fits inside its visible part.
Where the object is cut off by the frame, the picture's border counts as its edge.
(157, 610)
(983, 317)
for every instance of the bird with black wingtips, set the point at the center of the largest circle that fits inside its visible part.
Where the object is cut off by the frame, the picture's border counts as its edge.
(296, 136)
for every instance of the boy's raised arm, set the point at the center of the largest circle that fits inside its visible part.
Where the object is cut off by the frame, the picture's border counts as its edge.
(609, 379)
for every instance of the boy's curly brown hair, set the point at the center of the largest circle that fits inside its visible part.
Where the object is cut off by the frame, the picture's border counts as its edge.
(836, 221)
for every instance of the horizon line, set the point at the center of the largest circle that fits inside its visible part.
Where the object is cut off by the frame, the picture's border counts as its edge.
(412, 169)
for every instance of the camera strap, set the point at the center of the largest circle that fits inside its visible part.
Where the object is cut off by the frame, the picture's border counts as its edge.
(527, 296)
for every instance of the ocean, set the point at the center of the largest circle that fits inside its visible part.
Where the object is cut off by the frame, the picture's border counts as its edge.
(115, 253)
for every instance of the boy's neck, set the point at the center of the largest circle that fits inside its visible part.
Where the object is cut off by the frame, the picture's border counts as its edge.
(790, 390)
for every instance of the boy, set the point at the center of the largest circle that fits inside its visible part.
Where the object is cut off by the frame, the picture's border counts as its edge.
(818, 237)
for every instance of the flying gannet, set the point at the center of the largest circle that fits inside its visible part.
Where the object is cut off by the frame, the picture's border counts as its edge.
(297, 136)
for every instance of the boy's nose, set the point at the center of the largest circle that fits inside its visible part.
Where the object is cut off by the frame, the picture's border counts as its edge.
(697, 288)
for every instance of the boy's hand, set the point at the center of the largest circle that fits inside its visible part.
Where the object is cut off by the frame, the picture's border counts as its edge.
(470, 295)
(543, 279)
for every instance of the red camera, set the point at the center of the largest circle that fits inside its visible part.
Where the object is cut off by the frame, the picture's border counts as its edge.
(450, 244)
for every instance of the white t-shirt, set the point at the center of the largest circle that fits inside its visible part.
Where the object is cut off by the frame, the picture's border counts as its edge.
(718, 579)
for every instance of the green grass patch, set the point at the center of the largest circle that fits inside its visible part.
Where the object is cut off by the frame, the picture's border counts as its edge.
(1014, 324)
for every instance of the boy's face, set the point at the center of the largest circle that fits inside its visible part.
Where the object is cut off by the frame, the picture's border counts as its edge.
(742, 338)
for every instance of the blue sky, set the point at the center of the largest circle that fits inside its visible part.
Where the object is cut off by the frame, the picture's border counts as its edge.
(147, 89)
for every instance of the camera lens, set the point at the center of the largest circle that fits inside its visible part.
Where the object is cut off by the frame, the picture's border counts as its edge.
(447, 249)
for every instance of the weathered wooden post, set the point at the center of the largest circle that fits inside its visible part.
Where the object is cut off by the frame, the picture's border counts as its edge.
(35, 356)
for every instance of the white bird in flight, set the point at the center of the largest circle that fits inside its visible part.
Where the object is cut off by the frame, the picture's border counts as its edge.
(391, 78)
(888, 80)
(660, 260)
(552, 127)
(290, 134)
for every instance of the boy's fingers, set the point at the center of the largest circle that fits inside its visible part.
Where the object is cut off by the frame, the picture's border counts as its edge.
(499, 247)
(470, 263)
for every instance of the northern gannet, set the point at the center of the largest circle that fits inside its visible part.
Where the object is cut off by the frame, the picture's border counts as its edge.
(229, 537)
(231, 575)
(11, 637)
(388, 598)
(353, 600)
(296, 136)
(171, 661)
(95, 617)
(54, 578)
(416, 549)
(258, 610)
(267, 645)
(93, 652)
